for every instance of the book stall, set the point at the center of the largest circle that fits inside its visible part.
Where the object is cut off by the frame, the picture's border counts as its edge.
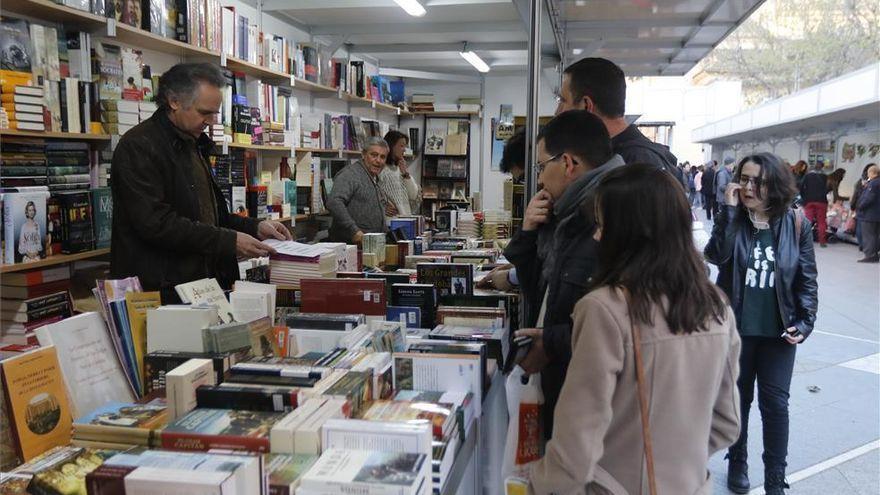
(377, 369)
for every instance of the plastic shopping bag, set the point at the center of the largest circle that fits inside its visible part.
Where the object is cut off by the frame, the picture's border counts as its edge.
(525, 435)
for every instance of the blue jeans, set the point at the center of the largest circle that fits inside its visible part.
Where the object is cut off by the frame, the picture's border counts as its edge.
(771, 362)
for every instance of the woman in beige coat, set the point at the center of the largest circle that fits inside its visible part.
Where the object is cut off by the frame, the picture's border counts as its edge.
(648, 268)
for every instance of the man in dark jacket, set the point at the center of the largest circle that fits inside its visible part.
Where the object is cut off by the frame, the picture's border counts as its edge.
(708, 189)
(555, 253)
(814, 194)
(598, 86)
(171, 224)
(868, 211)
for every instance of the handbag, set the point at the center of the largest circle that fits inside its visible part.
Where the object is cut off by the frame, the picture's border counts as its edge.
(643, 400)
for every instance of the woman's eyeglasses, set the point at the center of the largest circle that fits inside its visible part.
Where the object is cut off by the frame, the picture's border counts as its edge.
(745, 180)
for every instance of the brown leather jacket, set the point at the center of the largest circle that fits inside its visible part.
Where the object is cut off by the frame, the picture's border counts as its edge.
(156, 234)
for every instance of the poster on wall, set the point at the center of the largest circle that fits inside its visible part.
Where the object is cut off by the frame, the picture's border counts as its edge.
(502, 130)
(497, 148)
(854, 153)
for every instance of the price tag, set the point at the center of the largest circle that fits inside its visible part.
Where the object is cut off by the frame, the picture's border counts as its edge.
(412, 317)
(225, 147)
(376, 298)
(111, 26)
(223, 58)
(367, 294)
(277, 402)
(292, 81)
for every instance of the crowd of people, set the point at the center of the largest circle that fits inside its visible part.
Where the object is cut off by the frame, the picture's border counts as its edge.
(818, 194)
(640, 354)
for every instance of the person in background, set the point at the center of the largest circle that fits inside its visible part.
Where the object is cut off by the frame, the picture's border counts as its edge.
(834, 180)
(650, 275)
(814, 195)
(513, 162)
(858, 187)
(722, 179)
(554, 253)
(869, 216)
(598, 86)
(396, 182)
(356, 201)
(764, 252)
(692, 184)
(708, 191)
(698, 186)
(171, 224)
(800, 170)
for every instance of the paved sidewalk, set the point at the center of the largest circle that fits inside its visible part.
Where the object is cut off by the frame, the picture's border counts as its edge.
(835, 391)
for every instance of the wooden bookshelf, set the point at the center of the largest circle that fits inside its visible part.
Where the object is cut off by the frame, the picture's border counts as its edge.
(303, 85)
(443, 114)
(50, 11)
(264, 73)
(54, 260)
(259, 147)
(139, 38)
(55, 135)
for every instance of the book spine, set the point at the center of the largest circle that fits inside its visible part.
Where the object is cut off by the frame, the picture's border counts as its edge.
(201, 443)
(9, 233)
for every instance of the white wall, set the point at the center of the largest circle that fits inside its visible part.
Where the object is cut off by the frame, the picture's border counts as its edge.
(688, 106)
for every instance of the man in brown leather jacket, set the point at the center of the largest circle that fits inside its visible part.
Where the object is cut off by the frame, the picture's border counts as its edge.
(171, 223)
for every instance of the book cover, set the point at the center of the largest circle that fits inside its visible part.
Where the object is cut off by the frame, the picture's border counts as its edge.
(448, 278)
(439, 372)
(92, 372)
(435, 137)
(15, 45)
(121, 421)
(358, 434)
(132, 75)
(108, 67)
(347, 296)
(248, 397)
(409, 315)
(285, 470)
(102, 216)
(206, 292)
(368, 472)
(67, 474)
(40, 412)
(323, 321)
(35, 303)
(422, 296)
(24, 216)
(77, 234)
(439, 416)
(204, 429)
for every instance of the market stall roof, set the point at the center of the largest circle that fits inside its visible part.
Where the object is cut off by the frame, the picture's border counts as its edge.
(848, 102)
(646, 37)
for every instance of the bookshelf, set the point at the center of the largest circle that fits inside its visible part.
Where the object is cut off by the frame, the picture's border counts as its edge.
(444, 189)
(55, 135)
(441, 114)
(59, 259)
(50, 11)
(259, 147)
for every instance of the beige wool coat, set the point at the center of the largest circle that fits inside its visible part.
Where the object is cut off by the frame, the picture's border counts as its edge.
(597, 445)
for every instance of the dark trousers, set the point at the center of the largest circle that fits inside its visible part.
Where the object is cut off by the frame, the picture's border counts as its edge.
(870, 238)
(709, 204)
(771, 362)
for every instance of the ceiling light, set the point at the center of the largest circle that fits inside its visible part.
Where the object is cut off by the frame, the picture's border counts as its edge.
(473, 59)
(577, 51)
(412, 7)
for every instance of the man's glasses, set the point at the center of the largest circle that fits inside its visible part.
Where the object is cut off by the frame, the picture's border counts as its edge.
(745, 180)
(540, 165)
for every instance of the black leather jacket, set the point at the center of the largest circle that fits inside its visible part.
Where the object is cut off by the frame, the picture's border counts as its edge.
(796, 286)
(156, 232)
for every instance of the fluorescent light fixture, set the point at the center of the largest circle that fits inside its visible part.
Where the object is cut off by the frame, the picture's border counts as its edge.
(474, 60)
(577, 51)
(412, 7)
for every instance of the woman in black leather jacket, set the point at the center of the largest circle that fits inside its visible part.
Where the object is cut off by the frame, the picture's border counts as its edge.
(764, 252)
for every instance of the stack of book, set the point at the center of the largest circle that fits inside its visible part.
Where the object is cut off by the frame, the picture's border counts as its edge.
(119, 116)
(4, 119)
(21, 315)
(25, 107)
(496, 224)
(469, 224)
(294, 262)
(422, 102)
(24, 163)
(68, 165)
(360, 471)
(373, 249)
(469, 104)
(147, 109)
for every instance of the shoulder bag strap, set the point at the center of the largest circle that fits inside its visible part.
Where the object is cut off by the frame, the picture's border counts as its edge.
(643, 399)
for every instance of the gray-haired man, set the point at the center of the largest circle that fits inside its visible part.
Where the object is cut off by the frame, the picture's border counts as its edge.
(171, 223)
(356, 200)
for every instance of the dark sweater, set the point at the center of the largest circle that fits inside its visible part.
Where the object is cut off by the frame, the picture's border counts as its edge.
(634, 147)
(814, 189)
